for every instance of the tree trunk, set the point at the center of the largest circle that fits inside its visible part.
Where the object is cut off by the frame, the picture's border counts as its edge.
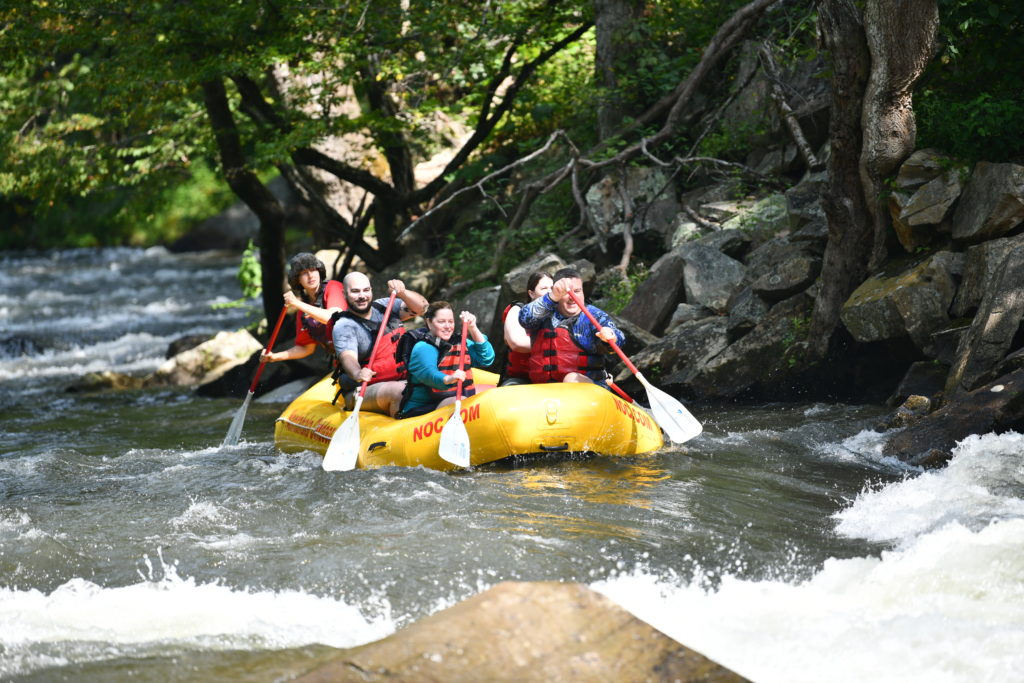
(876, 59)
(250, 190)
(614, 21)
(850, 235)
(901, 39)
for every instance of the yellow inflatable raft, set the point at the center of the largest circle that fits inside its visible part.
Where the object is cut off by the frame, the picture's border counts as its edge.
(502, 422)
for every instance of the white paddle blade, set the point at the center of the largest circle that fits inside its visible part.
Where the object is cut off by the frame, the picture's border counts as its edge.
(454, 446)
(670, 414)
(343, 451)
(235, 430)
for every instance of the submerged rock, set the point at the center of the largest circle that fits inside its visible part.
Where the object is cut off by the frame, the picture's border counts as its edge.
(996, 407)
(543, 631)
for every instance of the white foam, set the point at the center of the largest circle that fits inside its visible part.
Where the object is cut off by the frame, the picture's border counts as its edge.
(983, 481)
(159, 615)
(946, 609)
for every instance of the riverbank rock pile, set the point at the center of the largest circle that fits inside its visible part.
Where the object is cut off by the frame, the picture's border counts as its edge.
(544, 631)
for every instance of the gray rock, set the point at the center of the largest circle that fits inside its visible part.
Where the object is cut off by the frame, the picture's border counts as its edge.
(917, 217)
(992, 204)
(911, 411)
(921, 167)
(710, 277)
(803, 201)
(758, 362)
(684, 313)
(993, 329)
(981, 263)
(540, 631)
(913, 303)
(685, 349)
(795, 274)
(732, 243)
(655, 298)
(746, 310)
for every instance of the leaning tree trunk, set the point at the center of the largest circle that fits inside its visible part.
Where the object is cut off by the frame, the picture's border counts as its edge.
(850, 235)
(901, 39)
(250, 190)
(614, 22)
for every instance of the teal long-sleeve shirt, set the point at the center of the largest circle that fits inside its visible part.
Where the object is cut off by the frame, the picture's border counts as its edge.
(424, 375)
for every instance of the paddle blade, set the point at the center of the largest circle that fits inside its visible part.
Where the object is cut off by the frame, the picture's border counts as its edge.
(235, 430)
(671, 415)
(343, 450)
(454, 446)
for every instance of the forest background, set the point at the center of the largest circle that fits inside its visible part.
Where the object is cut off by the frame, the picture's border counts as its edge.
(127, 122)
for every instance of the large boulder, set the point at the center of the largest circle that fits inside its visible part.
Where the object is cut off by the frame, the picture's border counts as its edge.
(710, 278)
(756, 364)
(541, 631)
(208, 361)
(981, 263)
(992, 204)
(235, 382)
(916, 217)
(655, 299)
(921, 167)
(994, 327)
(684, 350)
(913, 303)
(995, 407)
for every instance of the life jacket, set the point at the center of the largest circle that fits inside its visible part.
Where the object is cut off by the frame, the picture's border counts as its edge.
(321, 332)
(517, 363)
(554, 353)
(447, 362)
(384, 361)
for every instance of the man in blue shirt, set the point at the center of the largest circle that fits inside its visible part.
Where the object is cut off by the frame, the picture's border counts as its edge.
(566, 347)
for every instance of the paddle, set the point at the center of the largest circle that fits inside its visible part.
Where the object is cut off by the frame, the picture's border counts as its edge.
(235, 430)
(343, 450)
(670, 414)
(454, 446)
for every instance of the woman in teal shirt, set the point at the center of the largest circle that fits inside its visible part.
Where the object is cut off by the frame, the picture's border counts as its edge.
(431, 355)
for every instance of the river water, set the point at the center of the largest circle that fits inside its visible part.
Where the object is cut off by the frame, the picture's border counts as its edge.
(133, 546)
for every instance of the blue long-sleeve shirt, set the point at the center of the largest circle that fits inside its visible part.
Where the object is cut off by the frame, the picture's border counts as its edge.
(533, 315)
(424, 374)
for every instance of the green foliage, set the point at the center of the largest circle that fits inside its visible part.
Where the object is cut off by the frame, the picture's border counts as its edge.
(156, 212)
(970, 102)
(620, 291)
(250, 274)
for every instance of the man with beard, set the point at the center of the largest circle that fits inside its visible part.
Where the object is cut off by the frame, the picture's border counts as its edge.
(355, 331)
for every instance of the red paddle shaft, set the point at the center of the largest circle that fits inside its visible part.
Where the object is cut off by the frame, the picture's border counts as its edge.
(270, 346)
(462, 360)
(376, 342)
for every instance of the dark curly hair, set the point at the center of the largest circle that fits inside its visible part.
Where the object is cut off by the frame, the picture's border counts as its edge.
(299, 264)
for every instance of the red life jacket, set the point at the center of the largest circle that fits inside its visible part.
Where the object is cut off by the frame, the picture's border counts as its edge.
(308, 327)
(518, 363)
(447, 361)
(554, 353)
(384, 363)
